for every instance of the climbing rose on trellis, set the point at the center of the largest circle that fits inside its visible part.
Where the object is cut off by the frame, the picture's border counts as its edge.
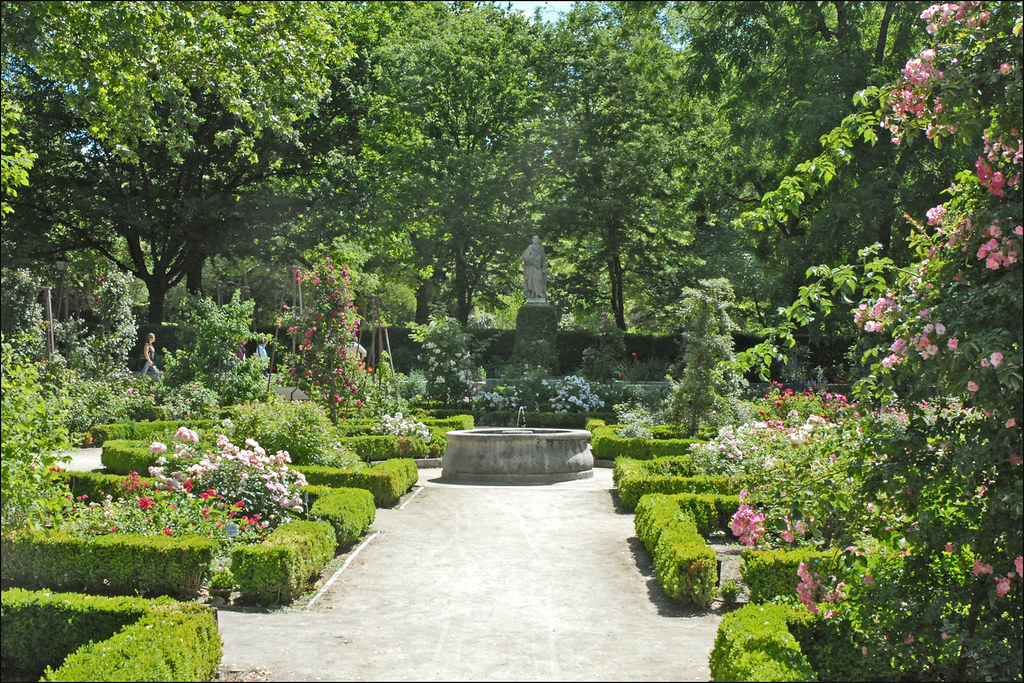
(325, 364)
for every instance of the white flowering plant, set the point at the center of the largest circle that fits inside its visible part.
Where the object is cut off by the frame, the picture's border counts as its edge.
(446, 360)
(400, 425)
(573, 394)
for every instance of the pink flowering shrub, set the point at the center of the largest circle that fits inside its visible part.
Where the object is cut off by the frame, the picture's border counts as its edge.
(247, 483)
(944, 336)
(326, 364)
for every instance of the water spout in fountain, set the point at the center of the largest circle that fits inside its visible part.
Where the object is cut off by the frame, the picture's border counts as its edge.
(521, 415)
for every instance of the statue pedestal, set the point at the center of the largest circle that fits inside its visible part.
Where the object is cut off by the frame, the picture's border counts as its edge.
(536, 330)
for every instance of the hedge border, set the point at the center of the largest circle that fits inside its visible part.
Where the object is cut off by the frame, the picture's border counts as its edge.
(771, 574)
(277, 570)
(635, 478)
(608, 445)
(114, 564)
(147, 431)
(350, 511)
(387, 481)
(754, 643)
(97, 638)
(685, 566)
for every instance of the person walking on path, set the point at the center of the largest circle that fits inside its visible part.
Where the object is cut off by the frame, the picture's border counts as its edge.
(261, 353)
(149, 358)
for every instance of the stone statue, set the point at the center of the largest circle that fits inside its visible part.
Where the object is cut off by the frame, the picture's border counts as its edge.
(535, 273)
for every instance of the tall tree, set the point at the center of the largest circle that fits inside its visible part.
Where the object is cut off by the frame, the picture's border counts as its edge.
(449, 139)
(614, 191)
(783, 74)
(167, 132)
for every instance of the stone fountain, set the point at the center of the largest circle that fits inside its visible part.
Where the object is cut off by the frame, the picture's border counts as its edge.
(517, 455)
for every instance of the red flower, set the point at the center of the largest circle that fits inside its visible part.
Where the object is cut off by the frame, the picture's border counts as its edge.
(168, 531)
(240, 504)
(145, 503)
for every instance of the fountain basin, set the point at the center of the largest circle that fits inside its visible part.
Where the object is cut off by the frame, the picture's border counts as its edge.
(524, 455)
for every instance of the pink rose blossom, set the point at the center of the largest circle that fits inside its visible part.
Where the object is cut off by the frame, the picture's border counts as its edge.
(953, 343)
(1003, 587)
(972, 386)
(996, 359)
(157, 447)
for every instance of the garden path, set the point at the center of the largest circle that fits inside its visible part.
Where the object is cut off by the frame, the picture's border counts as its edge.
(462, 582)
(515, 583)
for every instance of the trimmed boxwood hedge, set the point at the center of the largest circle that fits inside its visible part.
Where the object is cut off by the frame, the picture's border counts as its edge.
(772, 573)
(635, 478)
(754, 643)
(96, 485)
(685, 566)
(608, 445)
(373, 447)
(510, 418)
(115, 564)
(156, 430)
(350, 511)
(76, 637)
(122, 456)
(277, 570)
(387, 481)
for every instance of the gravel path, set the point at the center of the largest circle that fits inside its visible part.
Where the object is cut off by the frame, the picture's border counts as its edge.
(481, 583)
(539, 583)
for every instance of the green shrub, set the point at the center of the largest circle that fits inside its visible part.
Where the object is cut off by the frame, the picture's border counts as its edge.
(158, 430)
(684, 564)
(122, 457)
(509, 418)
(686, 567)
(450, 423)
(374, 447)
(593, 423)
(177, 644)
(278, 570)
(350, 511)
(387, 481)
(107, 639)
(772, 573)
(33, 416)
(635, 478)
(42, 628)
(754, 643)
(302, 428)
(608, 445)
(115, 564)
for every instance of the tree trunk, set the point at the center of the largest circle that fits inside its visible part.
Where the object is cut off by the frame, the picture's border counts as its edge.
(423, 303)
(463, 295)
(194, 272)
(157, 286)
(615, 280)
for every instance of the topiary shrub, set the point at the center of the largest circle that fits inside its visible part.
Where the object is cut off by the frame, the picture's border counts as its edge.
(754, 643)
(278, 570)
(350, 511)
